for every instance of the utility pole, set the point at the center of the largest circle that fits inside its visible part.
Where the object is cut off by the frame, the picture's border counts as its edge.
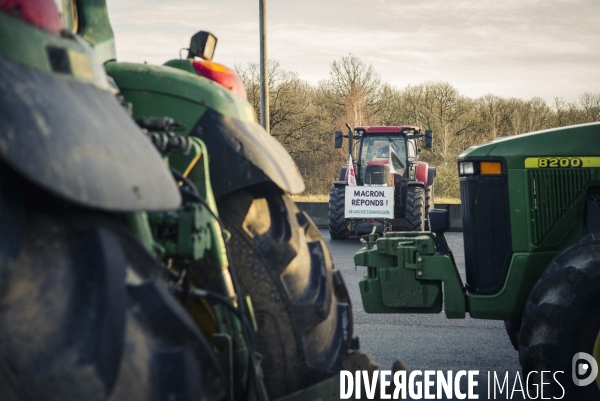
(264, 67)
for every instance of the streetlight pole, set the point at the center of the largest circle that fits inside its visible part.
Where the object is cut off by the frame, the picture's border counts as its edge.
(264, 67)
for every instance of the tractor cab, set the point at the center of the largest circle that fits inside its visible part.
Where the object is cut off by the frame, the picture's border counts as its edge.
(380, 158)
(385, 154)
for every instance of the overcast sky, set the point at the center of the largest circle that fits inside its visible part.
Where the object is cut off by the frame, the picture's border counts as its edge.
(520, 48)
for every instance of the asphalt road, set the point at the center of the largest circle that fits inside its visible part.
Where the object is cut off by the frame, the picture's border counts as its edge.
(430, 341)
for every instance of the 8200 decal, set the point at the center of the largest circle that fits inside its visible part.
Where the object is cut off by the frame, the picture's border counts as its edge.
(562, 162)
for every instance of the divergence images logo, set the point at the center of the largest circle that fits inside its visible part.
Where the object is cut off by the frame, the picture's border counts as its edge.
(583, 365)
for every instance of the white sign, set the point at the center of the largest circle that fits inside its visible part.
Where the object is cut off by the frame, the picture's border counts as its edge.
(369, 202)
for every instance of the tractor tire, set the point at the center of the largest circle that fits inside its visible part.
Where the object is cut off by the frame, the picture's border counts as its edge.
(84, 316)
(562, 318)
(415, 209)
(429, 204)
(338, 225)
(301, 304)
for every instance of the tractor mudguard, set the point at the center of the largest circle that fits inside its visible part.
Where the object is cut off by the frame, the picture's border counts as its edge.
(423, 172)
(430, 175)
(243, 154)
(75, 140)
(415, 183)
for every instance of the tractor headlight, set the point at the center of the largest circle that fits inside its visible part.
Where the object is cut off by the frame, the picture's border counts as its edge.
(466, 168)
(479, 167)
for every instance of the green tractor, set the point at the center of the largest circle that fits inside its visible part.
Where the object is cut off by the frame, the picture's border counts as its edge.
(85, 308)
(129, 274)
(531, 221)
(391, 188)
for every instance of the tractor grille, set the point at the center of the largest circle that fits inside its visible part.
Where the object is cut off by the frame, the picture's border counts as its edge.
(377, 175)
(486, 229)
(552, 193)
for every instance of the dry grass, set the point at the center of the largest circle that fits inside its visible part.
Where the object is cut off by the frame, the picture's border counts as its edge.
(310, 198)
(440, 200)
(325, 198)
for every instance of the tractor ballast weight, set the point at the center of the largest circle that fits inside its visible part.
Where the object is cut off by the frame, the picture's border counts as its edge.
(386, 157)
(531, 218)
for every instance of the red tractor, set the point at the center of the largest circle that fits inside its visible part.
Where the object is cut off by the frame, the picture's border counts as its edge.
(393, 190)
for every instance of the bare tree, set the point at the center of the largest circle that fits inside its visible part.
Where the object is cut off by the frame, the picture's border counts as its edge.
(354, 88)
(289, 114)
(489, 110)
(565, 113)
(590, 105)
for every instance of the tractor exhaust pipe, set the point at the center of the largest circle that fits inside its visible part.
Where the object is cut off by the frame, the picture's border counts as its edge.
(350, 140)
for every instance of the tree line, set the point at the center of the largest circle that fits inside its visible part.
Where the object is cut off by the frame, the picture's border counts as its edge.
(303, 117)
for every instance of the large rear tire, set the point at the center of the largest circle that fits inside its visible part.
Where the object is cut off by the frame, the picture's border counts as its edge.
(562, 318)
(301, 304)
(84, 316)
(338, 225)
(415, 209)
